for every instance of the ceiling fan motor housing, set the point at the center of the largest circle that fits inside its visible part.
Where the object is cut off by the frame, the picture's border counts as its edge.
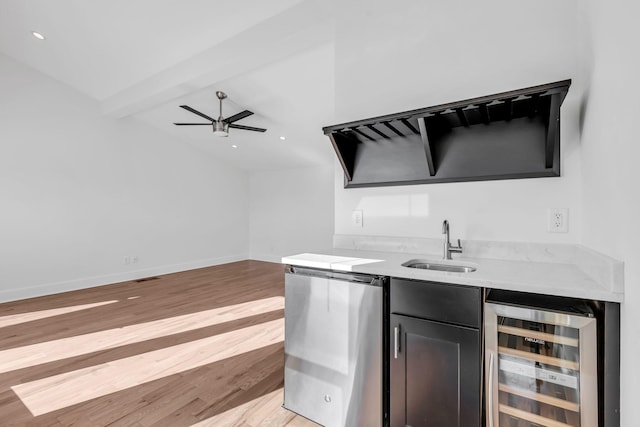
(220, 128)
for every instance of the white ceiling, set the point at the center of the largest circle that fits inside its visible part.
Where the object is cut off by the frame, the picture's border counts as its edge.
(291, 98)
(143, 59)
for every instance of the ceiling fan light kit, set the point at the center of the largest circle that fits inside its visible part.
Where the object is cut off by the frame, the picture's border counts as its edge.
(220, 128)
(221, 125)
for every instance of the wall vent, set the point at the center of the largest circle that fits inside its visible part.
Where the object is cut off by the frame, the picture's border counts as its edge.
(146, 279)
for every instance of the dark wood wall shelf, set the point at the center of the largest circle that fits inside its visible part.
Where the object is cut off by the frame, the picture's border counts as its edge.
(504, 136)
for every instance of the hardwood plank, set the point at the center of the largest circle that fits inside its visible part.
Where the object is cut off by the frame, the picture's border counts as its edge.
(199, 393)
(48, 394)
(264, 411)
(29, 355)
(65, 365)
(14, 319)
(220, 379)
(184, 416)
(170, 295)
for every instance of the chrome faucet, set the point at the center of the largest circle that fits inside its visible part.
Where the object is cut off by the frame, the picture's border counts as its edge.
(448, 248)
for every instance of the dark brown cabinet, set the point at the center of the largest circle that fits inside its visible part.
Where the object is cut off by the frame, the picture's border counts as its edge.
(435, 355)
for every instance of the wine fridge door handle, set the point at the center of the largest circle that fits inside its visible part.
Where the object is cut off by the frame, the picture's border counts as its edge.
(490, 393)
(396, 341)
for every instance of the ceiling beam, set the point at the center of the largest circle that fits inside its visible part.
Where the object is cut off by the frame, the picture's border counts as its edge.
(307, 25)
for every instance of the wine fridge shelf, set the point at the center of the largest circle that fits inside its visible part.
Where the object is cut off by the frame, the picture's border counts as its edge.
(533, 418)
(542, 398)
(547, 360)
(558, 339)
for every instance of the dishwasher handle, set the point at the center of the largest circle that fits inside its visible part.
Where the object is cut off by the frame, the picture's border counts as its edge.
(366, 279)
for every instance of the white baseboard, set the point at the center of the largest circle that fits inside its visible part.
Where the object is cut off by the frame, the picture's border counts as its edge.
(266, 257)
(90, 282)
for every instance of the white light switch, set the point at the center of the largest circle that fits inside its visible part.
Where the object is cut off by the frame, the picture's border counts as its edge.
(356, 218)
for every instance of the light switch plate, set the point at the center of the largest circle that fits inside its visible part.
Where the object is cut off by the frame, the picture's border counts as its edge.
(356, 218)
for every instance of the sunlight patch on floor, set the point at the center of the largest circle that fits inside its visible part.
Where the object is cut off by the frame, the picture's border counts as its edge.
(49, 351)
(63, 390)
(264, 411)
(15, 319)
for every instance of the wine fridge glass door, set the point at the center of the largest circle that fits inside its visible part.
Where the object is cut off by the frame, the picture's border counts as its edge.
(541, 368)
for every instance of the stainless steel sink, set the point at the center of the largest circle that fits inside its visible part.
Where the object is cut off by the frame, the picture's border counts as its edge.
(430, 265)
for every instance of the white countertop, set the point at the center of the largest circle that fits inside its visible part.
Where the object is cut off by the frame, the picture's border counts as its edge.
(549, 278)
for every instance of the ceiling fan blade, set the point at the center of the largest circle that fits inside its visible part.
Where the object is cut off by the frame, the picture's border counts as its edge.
(192, 124)
(247, 128)
(239, 116)
(186, 107)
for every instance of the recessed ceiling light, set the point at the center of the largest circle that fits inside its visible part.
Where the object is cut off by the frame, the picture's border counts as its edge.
(37, 35)
(234, 146)
(282, 138)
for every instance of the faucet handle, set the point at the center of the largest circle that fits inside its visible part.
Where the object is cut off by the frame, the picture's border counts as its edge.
(456, 249)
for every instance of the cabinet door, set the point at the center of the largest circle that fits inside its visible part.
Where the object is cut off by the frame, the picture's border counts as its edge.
(435, 374)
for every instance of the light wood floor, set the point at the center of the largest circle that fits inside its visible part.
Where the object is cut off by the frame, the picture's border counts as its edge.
(203, 347)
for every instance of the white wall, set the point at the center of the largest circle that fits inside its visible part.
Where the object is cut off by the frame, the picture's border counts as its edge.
(79, 192)
(610, 152)
(396, 56)
(291, 212)
(401, 55)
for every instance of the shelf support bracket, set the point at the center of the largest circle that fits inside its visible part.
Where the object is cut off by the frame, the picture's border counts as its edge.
(427, 146)
(349, 147)
(553, 130)
(462, 116)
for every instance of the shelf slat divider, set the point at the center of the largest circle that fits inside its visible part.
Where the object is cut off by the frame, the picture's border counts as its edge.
(558, 339)
(528, 416)
(543, 398)
(548, 360)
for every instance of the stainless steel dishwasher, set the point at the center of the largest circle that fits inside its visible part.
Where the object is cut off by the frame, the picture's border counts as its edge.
(333, 369)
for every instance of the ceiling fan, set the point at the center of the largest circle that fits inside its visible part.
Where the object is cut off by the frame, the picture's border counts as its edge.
(221, 125)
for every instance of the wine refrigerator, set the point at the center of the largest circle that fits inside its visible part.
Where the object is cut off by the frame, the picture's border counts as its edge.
(540, 367)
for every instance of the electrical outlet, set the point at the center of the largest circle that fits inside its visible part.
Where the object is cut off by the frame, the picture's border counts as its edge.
(356, 218)
(134, 259)
(558, 220)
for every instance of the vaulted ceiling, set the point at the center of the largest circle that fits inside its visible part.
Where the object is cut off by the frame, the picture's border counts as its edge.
(143, 59)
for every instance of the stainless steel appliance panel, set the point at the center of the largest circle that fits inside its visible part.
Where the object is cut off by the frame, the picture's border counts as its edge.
(333, 347)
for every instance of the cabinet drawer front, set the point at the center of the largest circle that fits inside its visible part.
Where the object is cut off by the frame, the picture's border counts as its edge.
(460, 305)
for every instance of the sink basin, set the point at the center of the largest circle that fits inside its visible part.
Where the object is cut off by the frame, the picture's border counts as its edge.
(430, 265)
